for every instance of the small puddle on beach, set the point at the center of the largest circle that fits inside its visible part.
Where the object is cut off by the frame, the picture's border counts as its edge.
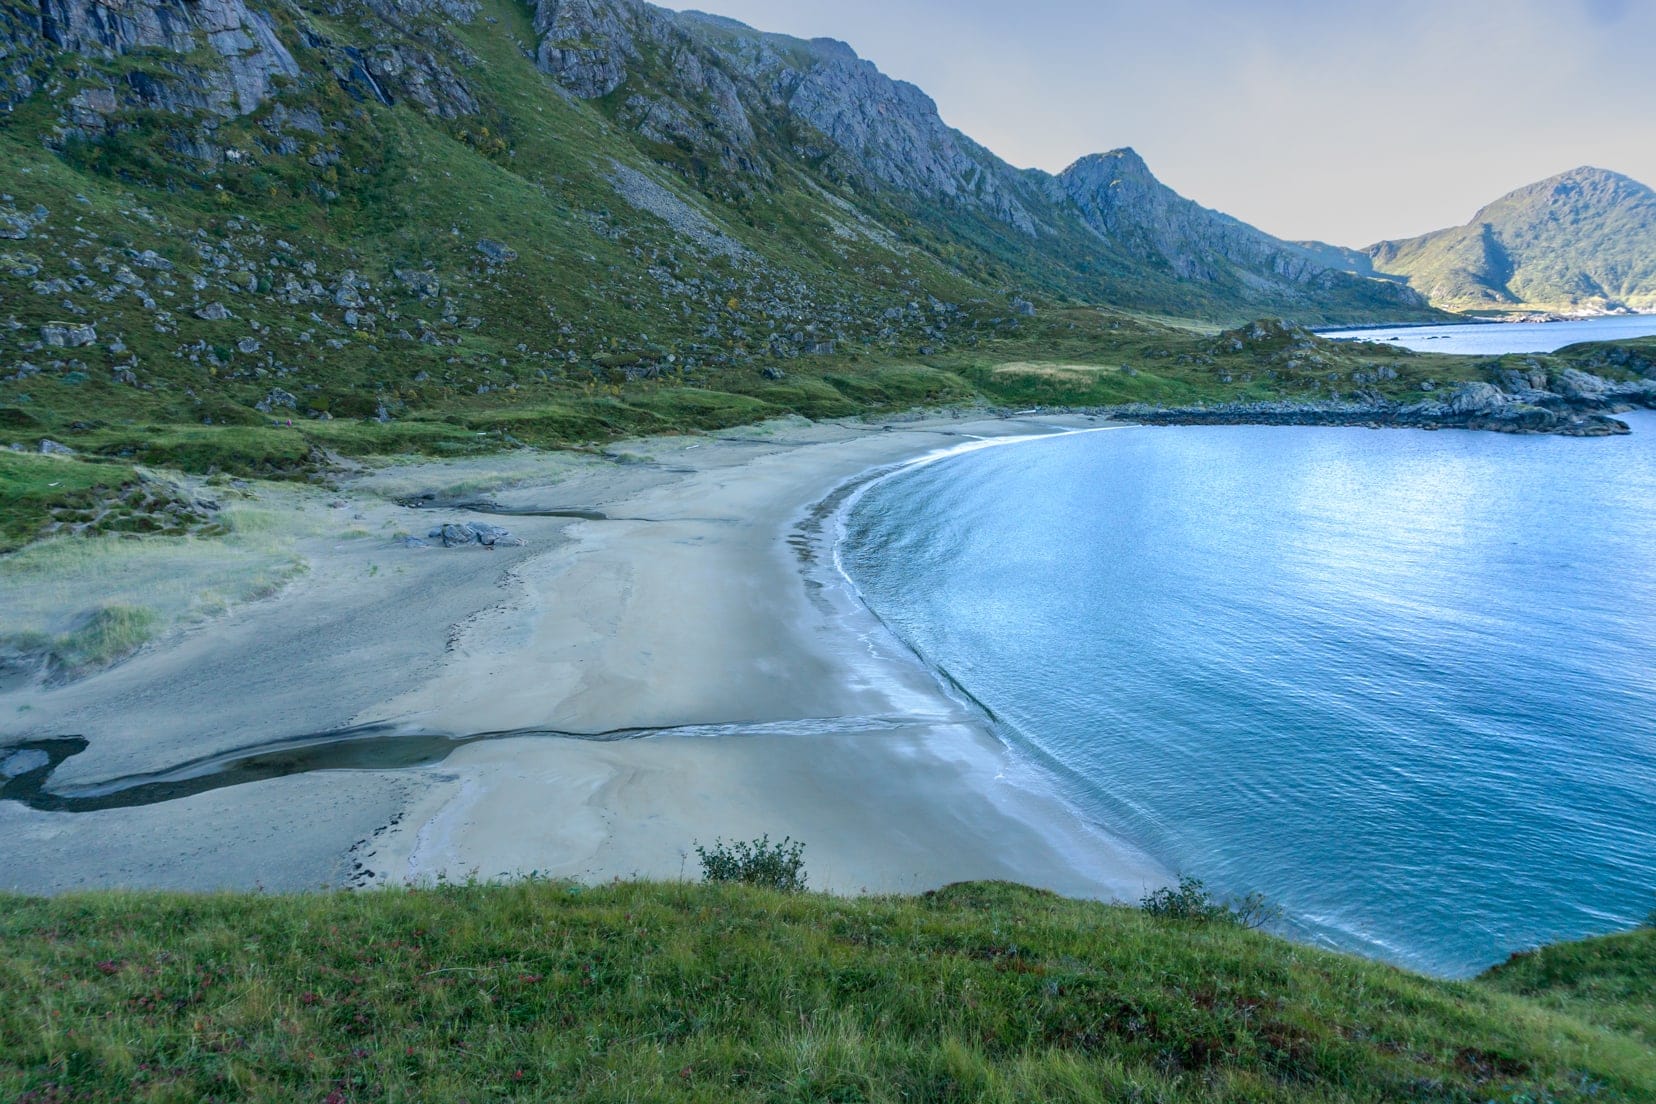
(27, 767)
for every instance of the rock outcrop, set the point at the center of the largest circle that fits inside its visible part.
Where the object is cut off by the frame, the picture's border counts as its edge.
(720, 84)
(251, 58)
(203, 60)
(1569, 403)
(475, 532)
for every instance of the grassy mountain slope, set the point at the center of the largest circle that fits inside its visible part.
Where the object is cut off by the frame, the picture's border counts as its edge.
(424, 243)
(1581, 241)
(401, 209)
(740, 109)
(250, 237)
(657, 992)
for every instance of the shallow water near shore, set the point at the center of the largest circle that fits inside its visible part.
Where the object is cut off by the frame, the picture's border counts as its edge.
(1496, 338)
(1400, 682)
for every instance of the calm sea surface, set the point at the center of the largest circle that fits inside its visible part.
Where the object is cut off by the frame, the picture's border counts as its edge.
(1488, 339)
(1400, 682)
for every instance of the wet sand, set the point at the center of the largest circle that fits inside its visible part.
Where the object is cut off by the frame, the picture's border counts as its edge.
(701, 608)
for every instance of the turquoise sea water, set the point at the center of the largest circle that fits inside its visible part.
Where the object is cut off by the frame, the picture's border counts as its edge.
(1487, 339)
(1400, 682)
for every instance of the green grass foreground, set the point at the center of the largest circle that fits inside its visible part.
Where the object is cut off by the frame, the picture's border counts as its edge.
(639, 992)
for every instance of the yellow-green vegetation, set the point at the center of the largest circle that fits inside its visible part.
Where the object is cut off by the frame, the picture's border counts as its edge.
(637, 992)
(105, 635)
(1074, 357)
(1610, 981)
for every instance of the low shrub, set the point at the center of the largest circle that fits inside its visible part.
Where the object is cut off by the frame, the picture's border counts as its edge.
(1191, 900)
(779, 866)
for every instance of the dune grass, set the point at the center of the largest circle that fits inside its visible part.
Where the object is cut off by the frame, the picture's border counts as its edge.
(32, 486)
(76, 604)
(637, 992)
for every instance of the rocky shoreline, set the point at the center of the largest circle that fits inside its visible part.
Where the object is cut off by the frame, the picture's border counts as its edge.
(1570, 403)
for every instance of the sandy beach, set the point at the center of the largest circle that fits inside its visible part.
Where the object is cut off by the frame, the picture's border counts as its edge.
(681, 663)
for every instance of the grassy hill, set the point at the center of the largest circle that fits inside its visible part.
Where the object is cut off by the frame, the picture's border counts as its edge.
(678, 992)
(1581, 241)
(398, 216)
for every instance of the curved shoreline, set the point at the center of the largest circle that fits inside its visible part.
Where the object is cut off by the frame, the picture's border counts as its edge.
(928, 797)
(691, 605)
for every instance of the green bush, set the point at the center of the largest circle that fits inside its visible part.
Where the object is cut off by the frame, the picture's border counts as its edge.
(1190, 900)
(778, 866)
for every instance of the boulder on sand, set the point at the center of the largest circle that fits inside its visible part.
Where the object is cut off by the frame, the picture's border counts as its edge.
(489, 536)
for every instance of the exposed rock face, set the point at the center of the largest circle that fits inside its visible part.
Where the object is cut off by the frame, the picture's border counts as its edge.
(893, 128)
(21, 46)
(229, 61)
(1478, 398)
(1570, 401)
(417, 76)
(587, 44)
(252, 56)
(880, 131)
(407, 61)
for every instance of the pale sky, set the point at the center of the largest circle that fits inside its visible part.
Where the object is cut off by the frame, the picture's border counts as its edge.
(1344, 120)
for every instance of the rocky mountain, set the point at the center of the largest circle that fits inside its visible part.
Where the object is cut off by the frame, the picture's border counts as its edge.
(1583, 241)
(754, 104)
(443, 221)
(1130, 210)
(736, 139)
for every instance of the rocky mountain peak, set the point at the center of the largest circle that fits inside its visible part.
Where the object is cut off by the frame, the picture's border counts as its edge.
(1119, 162)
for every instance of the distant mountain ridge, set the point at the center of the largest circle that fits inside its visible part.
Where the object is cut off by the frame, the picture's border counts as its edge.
(1583, 241)
(1123, 203)
(709, 86)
